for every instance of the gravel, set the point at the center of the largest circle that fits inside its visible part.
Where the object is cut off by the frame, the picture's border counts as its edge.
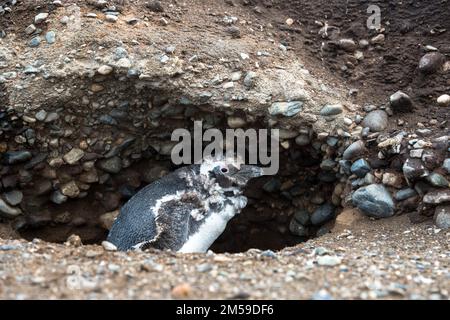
(384, 259)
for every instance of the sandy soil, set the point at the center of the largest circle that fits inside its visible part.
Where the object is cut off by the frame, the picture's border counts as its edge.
(385, 259)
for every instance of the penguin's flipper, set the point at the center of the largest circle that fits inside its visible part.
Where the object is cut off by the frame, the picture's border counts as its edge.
(173, 219)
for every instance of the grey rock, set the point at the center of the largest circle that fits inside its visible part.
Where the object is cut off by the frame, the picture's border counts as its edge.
(413, 169)
(250, 79)
(14, 157)
(302, 140)
(376, 120)
(374, 201)
(287, 109)
(405, 194)
(120, 53)
(331, 110)
(298, 229)
(50, 37)
(401, 102)
(40, 17)
(107, 119)
(328, 261)
(73, 156)
(30, 29)
(442, 217)
(431, 62)
(360, 167)
(30, 70)
(438, 180)
(322, 214)
(347, 45)
(354, 150)
(70, 189)
(51, 116)
(328, 164)
(13, 197)
(110, 165)
(437, 197)
(302, 217)
(446, 165)
(7, 211)
(155, 6)
(34, 42)
(369, 108)
(58, 198)
(41, 115)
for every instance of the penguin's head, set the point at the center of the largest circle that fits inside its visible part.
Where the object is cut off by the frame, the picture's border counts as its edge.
(230, 173)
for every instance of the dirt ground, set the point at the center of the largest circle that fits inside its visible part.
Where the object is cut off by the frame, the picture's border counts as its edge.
(385, 259)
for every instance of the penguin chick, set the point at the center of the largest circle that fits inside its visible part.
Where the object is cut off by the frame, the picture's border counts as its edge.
(186, 210)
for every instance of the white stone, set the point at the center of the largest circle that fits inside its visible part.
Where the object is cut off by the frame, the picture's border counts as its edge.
(105, 70)
(444, 100)
(40, 17)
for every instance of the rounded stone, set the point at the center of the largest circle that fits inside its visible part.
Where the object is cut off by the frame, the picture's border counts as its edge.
(374, 201)
(444, 100)
(354, 150)
(401, 102)
(376, 120)
(442, 217)
(105, 70)
(322, 214)
(431, 62)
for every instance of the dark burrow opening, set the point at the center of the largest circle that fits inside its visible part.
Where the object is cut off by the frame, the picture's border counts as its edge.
(296, 204)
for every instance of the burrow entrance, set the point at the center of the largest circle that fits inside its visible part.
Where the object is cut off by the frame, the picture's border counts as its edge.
(125, 145)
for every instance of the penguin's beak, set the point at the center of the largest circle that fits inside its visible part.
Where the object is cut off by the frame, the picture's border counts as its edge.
(247, 172)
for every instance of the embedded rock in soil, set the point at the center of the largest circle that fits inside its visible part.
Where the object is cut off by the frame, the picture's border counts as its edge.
(442, 217)
(374, 200)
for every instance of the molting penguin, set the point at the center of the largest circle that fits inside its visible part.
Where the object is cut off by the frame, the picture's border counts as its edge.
(186, 210)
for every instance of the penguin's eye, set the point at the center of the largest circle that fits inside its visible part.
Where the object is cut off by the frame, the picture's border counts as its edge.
(224, 170)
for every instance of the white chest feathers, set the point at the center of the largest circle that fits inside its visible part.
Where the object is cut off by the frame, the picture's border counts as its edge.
(213, 226)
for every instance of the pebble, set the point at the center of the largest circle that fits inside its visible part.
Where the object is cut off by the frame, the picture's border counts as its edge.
(392, 179)
(250, 79)
(287, 109)
(105, 70)
(437, 197)
(416, 153)
(34, 42)
(378, 39)
(444, 100)
(58, 198)
(438, 180)
(64, 20)
(442, 217)
(431, 62)
(30, 29)
(155, 6)
(7, 211)
(354, 150)
(14, 157)
(328, 261)
(236, 122)
(111, 165)
(73, 156)
(13, 197)
(111, 18)
(302, 140)
(40, 17)
(323, 214)
(413, 169)
(376, 120)
(41, 115)
(446, 165)
(347, 45)
(405, 194)
(360, 167)
(50, 37)
(181, 291)
(401, 102)
(70, 189)
(298, 229)
(331, 110)
(108, 246)
(374, 201)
